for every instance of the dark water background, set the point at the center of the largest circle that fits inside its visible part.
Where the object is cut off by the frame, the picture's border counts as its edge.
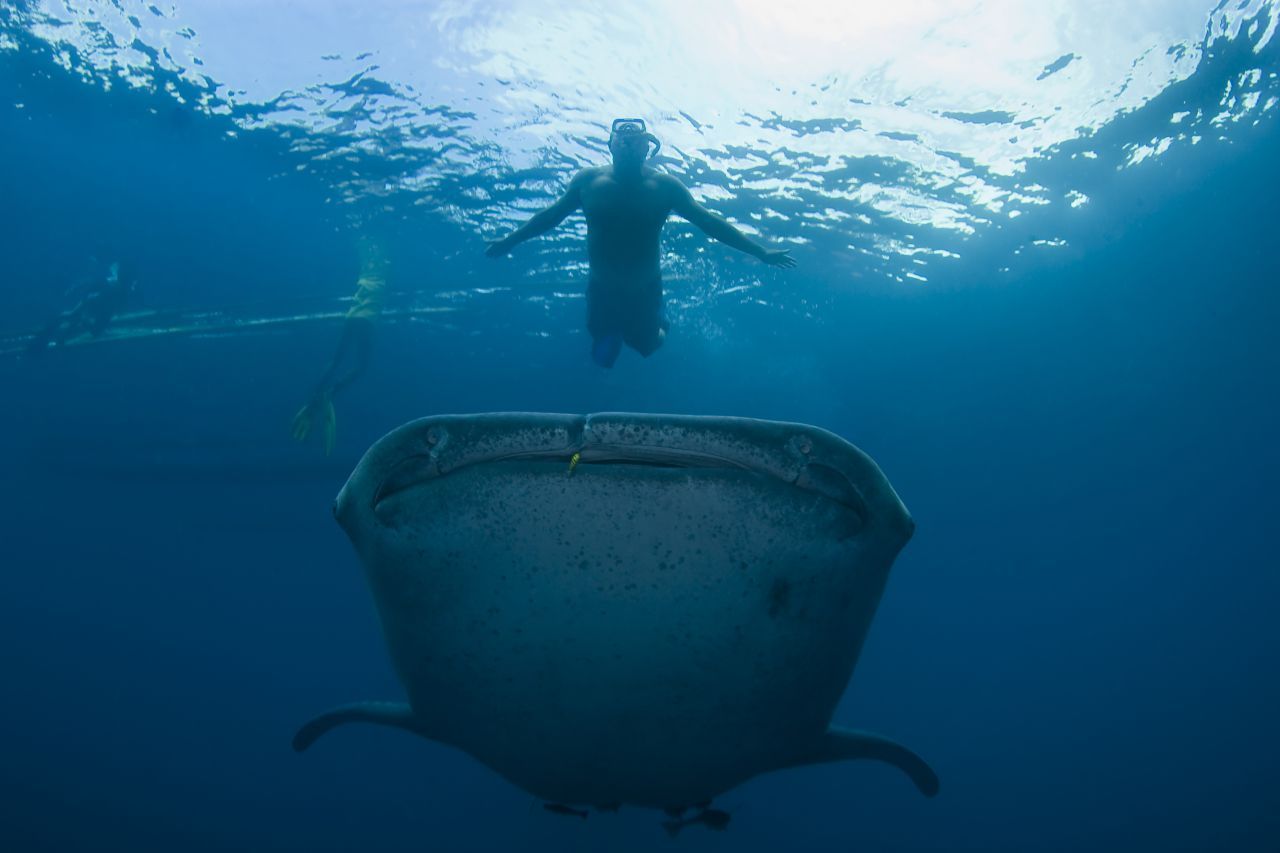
(1081, 638)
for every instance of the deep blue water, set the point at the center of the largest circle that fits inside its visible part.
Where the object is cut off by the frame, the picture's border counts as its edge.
(1081, 637)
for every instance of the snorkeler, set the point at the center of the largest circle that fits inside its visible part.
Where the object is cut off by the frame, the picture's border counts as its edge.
(101, 301)
(626, 205)
(352, 355)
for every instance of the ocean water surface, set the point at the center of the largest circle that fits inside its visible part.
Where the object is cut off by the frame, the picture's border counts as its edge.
(1036, 282)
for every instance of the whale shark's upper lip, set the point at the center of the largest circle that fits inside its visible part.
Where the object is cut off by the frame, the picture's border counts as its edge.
(800, 456)
(421, 469)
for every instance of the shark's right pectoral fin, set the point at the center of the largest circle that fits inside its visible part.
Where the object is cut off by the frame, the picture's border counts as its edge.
(394, 714)
(839, 744)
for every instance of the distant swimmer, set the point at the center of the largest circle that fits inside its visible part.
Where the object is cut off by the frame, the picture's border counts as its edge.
(99, 300)
(711, 818)
(626, 205)
(354, 347)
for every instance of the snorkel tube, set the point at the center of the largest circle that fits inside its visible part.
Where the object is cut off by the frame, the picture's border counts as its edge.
(629, 126)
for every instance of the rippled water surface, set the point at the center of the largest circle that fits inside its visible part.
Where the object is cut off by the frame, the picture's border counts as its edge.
(882, 141)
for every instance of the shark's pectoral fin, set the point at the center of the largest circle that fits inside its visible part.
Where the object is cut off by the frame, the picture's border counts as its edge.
(847, 745)
(395, 714)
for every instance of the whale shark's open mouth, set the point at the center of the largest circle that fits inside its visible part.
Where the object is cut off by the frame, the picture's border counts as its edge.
(724, 449)
(420, 470)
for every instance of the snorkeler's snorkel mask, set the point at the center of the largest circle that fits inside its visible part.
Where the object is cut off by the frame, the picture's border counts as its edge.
(634, 127)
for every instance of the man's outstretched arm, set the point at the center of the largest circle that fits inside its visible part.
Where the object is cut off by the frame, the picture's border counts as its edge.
(714, 225)
(542, 221)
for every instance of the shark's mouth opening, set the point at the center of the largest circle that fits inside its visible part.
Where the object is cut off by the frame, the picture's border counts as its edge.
(420, 470)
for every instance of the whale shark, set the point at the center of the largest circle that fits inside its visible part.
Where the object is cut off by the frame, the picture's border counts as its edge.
(623, 608)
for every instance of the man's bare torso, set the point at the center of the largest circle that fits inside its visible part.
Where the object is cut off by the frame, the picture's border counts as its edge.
(624, 223)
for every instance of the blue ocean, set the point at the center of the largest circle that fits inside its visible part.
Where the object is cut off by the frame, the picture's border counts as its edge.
(1035, 280)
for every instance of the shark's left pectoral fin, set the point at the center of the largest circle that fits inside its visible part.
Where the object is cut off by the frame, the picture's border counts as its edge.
(392, 714)
(848, 745)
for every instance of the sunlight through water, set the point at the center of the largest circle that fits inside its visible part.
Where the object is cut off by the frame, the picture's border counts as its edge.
(885, 132)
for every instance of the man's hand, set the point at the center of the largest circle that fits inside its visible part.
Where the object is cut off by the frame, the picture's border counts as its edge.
(778, 258)
(497, 248)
